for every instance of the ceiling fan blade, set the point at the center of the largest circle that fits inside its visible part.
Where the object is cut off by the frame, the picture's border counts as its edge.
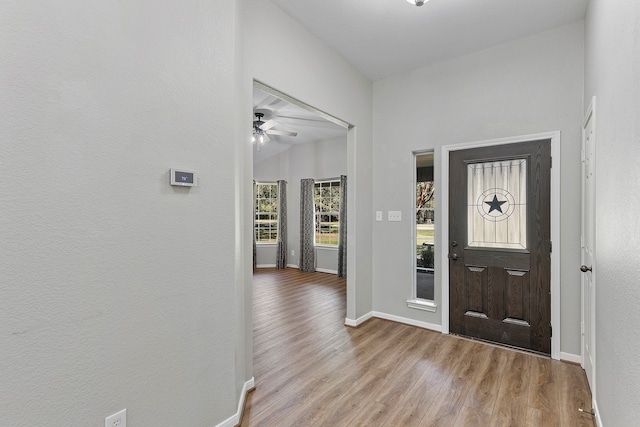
(266, 137)
(281, 132)
(268, 124)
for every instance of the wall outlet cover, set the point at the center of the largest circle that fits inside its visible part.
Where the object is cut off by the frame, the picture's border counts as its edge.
(118, 419)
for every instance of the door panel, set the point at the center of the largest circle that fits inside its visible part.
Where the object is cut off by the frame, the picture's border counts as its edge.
(588, 247)
(499, 260)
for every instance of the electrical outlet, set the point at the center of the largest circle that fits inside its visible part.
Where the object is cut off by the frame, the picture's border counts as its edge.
(117, 420)
(293, 253)
(378, 215)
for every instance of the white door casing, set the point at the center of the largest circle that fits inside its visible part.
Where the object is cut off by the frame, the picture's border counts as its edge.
(588, 267)
(443, 213)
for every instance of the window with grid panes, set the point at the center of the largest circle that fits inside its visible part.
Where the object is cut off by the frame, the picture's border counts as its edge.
(327, 212)
(266, 214)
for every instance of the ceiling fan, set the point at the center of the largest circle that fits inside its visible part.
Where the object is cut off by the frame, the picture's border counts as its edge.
(262, 130)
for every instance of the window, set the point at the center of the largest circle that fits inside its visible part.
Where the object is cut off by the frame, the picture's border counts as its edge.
(266, 214)
(425, 227)
(326, 198)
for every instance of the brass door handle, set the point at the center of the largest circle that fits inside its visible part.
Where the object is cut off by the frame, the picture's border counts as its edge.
(454, 256)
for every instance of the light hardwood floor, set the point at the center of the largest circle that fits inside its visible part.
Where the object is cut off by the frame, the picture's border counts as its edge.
(311, 370)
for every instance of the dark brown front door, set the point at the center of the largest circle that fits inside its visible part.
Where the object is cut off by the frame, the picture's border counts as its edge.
(500, 248)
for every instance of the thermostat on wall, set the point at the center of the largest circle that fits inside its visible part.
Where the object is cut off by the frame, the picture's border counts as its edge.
(183, 178)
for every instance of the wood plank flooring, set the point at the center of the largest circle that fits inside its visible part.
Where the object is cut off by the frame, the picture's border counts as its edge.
(311, 370)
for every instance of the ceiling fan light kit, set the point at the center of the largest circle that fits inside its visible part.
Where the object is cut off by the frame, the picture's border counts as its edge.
(262, 130)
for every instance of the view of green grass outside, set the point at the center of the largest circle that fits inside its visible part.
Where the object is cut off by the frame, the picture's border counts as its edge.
(266, 230)
(327, 233)
(424, 234)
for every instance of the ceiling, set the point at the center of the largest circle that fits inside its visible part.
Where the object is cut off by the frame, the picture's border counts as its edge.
(291, 117)
(385, 37)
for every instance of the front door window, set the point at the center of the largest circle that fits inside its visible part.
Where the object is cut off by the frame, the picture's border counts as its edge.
(497, 204)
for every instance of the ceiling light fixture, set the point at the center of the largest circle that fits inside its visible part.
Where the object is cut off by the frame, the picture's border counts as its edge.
(418, 2)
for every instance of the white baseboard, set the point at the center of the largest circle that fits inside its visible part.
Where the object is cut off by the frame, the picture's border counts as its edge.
(359, 321)
(575, 358)
(266, 266)
(235, 419)
(407, 321)
(597, 414)
(324, 270)
(292, 266)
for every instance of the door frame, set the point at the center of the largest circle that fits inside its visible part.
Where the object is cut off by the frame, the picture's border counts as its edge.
(443, 213)
(586, 312)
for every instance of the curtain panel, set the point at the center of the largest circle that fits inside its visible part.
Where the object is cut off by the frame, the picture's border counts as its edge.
(307, 251)
(281, 251)
(342, 231)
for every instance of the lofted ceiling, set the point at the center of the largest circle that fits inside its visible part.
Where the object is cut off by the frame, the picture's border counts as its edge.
(385, 37)
(290, 117)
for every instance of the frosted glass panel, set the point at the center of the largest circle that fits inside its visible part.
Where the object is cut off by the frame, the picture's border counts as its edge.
(497, 204)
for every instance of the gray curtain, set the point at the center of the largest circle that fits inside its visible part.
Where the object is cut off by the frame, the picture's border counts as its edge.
(255, 256)
(307, 255)
(281, 252)
(342, 232)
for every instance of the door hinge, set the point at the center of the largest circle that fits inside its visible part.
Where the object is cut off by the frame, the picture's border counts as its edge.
(550, 162)
(550, 246)
(550, 330)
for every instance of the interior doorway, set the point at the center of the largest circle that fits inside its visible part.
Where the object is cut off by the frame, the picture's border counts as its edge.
(293, 141)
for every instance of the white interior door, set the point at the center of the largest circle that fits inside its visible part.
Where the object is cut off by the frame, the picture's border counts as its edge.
(588, 245)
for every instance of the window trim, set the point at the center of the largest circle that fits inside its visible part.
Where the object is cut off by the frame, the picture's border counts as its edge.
(255, 213)
(315, 213)
(415, 302)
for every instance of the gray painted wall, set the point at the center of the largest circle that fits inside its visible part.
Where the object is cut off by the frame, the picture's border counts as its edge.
(318, 160)
(523, 87)
(611, 74)
(118, 290)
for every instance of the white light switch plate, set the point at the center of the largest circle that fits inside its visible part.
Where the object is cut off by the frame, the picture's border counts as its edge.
(395, 215)
(378, 215)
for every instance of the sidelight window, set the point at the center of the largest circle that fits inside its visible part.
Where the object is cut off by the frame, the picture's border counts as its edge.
(424, 226)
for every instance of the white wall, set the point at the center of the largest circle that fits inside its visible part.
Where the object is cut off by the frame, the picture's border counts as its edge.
(308, 70)
(611, 74)
(527, 86)
(118, 290)
(318, 160)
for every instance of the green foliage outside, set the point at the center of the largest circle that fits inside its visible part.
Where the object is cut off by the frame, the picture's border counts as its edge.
(426, 256)
(327, 233)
